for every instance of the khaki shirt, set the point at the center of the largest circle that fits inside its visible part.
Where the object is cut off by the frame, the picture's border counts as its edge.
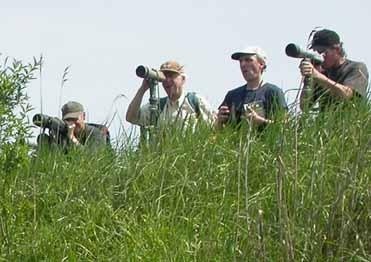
(179, 112)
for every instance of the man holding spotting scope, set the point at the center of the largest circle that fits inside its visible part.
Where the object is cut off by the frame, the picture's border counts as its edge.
(337, 78)
(177, 107)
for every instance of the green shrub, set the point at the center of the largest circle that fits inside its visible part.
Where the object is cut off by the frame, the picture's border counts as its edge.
(14, 106)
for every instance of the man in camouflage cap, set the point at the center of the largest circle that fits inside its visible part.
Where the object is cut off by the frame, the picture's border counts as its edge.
(177, 107)
(338, 78)
(81, 133)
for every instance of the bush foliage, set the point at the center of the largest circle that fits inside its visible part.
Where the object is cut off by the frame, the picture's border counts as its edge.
(14, 106)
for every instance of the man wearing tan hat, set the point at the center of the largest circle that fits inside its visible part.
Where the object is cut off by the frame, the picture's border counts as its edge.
(257, 102)
(177, 107)
(79, 132)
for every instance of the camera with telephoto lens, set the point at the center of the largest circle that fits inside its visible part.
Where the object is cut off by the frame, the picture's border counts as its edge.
(150, 73)
(58, 129)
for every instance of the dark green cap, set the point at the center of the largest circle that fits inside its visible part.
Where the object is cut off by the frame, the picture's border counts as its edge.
(325, 38)
(72, 110)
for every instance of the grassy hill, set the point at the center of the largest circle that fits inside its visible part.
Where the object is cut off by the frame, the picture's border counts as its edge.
(299, 191)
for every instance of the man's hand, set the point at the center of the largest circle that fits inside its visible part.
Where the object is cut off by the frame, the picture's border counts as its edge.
(145, 85)
(132, 114)
(223, 114)
(255, 119)
(307, 69)
(71, 134)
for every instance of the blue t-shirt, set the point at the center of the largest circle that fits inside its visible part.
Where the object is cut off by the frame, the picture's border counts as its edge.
(266, 100)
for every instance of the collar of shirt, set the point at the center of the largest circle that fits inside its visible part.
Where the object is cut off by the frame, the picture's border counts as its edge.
(259, 86)
(176, 103)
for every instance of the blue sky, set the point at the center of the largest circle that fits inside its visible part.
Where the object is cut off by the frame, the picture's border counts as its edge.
(104, 41)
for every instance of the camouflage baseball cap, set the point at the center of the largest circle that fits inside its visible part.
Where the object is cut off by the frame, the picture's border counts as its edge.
(172, 66)
(72, 109)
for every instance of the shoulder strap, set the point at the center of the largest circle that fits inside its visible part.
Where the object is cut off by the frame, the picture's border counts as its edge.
(194, 101)
(162, 103)
(192, 98)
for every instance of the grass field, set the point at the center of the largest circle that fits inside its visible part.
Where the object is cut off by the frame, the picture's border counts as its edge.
(299, 191)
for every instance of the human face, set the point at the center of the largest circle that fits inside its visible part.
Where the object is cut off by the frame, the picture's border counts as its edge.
(251, 68)
(331, 56)
(78, 122)
(173, 85)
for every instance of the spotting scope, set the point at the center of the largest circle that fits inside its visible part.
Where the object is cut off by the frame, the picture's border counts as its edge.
(296, 51)
(150, 73)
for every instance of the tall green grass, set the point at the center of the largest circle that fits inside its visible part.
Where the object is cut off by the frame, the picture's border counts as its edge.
(298, 191)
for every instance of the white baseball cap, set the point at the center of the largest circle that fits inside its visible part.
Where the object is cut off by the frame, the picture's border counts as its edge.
(250, 50)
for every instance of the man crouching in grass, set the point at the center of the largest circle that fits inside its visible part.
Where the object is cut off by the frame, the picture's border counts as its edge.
(80, 133)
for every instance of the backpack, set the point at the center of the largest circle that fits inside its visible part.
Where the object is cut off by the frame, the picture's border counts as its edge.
(104, 130)
(193, 100)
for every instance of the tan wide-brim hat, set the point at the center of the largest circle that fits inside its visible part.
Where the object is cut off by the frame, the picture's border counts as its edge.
(172, 66)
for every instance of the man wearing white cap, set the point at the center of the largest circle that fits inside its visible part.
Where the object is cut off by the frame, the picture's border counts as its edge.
(257, 101)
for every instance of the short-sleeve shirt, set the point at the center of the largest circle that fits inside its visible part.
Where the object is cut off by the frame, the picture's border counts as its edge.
(178, 112)
(267, 100)
(350, 73)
